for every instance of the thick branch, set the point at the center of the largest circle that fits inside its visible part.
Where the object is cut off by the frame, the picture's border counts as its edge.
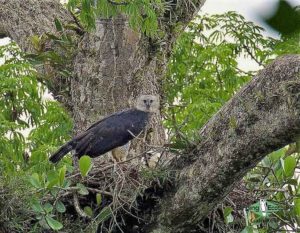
(21, 19)
(186, 10)
(264, 116)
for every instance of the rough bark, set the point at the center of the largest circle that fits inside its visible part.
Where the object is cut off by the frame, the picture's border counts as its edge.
(262, 117)
(21, 19)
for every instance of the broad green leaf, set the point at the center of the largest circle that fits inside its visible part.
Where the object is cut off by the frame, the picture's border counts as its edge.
(54, 224)
(227, 211)
(54, 191)
(66, 184)
(105, 213)
(98, 199)
(34, 179)
(60, 207)
(88, 210)
(297, 206)
(248, 229)
(289, 166)
(276, 155)
(48, 207)
(82, 189)
(85, 165)
(227, 215)
(52, 179)
(51, 183)
(62, 173)
(229, 219)
(37, 207)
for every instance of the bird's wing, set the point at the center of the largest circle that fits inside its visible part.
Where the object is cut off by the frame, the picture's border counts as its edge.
(84, 143)
(109, 133)
(105, 118)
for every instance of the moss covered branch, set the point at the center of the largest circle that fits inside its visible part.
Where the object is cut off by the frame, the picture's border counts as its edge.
(262, 117)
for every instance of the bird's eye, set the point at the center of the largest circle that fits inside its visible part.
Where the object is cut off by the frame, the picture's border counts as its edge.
(151, 101)
(145, 101)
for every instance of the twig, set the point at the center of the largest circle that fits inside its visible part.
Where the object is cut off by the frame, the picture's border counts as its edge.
(269, 190)
(252, 56)
(285, 221)
(100, 191)
(79, 211)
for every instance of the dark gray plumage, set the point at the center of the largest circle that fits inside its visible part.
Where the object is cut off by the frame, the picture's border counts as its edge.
(111, 132)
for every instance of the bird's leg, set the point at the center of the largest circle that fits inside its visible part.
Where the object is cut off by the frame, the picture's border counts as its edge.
(118, 153)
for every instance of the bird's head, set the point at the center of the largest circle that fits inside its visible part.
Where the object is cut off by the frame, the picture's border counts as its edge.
(147, 103)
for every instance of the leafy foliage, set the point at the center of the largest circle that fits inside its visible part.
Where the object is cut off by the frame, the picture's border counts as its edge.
(276, 179)
(26, 141)
(203, 74)
(143, 14)
(204, 71)
(56, 58)
(85, 165)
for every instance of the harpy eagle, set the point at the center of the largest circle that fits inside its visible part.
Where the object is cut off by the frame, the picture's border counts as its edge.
(111, 132)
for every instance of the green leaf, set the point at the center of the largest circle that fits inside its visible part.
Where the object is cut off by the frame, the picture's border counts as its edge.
(229, 219)
(227, 211)
(52, 37)
(51, 183)
(276, 155)
(88, 210)
(52, 175)
(289, 166)
(66, 184)
(48, 207)
(297, 206)
(54, 224)
(105, 213)
(248, 229)
(37, 207)
(82, 189)
(58, 25)
(227, 215)
(62, 173)
(98, 199)
(60, 207)
(34, 179)
(85, 165)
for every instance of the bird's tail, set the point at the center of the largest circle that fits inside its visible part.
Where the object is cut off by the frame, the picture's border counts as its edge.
(58, 155)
